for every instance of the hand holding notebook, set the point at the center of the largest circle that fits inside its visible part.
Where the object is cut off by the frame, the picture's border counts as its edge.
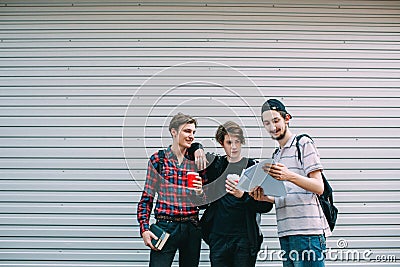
(255, 176)
(161, 235)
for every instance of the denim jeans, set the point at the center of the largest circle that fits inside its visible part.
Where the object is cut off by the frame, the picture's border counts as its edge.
(303, 250)
(185, 237)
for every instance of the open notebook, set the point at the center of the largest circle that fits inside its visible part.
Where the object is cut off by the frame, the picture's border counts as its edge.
(255, 176)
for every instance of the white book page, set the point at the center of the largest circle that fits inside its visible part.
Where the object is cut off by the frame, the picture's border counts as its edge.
(255, 176)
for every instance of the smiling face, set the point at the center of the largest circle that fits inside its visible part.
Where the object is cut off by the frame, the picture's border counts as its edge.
(275, 124)
(184, 136)
(233, 147)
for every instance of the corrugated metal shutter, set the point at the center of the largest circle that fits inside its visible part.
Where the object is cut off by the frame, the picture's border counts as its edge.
(68, 71)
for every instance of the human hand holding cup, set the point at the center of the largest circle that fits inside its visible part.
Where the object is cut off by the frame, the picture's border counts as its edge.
(194, 182)
(230, 185)
(192, 177)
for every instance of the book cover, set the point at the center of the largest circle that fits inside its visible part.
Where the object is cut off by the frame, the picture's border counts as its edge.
(255, 176)
(161, 234)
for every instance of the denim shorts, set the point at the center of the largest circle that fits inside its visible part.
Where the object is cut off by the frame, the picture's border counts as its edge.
(303, 250)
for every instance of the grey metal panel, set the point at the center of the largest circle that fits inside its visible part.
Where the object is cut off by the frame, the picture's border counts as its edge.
(101, 132)
(132, 244)
(193, 52)
(153, 143)
(126, 91)
(360, 175)
(68, 231)
(251, 122)
(129, 186)
(122, 102)
(67, 74)
(235, 62)
(119, 112)
(167, 83)
(106, 153)
(267, 263)
(119, 163)
(126, 209)
(132, 197)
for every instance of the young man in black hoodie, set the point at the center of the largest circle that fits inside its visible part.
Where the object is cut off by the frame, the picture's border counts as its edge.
(229, 224)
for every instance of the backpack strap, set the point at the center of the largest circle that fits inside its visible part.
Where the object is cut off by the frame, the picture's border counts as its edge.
(161, 156)
(298, 137)
(276, 151)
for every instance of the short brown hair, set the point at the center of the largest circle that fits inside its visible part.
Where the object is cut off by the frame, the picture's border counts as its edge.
(180, 119)
(231, 128)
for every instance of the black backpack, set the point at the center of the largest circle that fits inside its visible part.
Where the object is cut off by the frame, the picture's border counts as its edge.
(326, 199)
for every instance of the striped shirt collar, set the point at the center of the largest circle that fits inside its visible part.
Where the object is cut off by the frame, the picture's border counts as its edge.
(289, 142)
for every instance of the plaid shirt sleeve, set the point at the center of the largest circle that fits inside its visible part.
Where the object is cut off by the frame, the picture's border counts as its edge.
(145, 204)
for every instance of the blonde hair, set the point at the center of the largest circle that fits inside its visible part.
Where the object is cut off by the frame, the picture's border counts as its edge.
(180, 119)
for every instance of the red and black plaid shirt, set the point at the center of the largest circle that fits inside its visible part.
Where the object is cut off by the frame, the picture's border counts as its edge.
(173, 196)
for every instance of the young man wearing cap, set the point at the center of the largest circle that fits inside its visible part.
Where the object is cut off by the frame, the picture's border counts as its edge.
(302, 226)
(174, 211)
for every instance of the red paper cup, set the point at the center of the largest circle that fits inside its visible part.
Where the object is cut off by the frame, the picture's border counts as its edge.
(191, 177)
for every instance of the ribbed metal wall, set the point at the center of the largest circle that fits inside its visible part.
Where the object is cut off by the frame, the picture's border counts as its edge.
(74, 73)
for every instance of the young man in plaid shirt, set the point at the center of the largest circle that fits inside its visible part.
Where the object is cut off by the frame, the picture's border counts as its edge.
(175, 211)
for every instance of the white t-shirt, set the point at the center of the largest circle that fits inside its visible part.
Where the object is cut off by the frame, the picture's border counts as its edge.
(299, 212)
